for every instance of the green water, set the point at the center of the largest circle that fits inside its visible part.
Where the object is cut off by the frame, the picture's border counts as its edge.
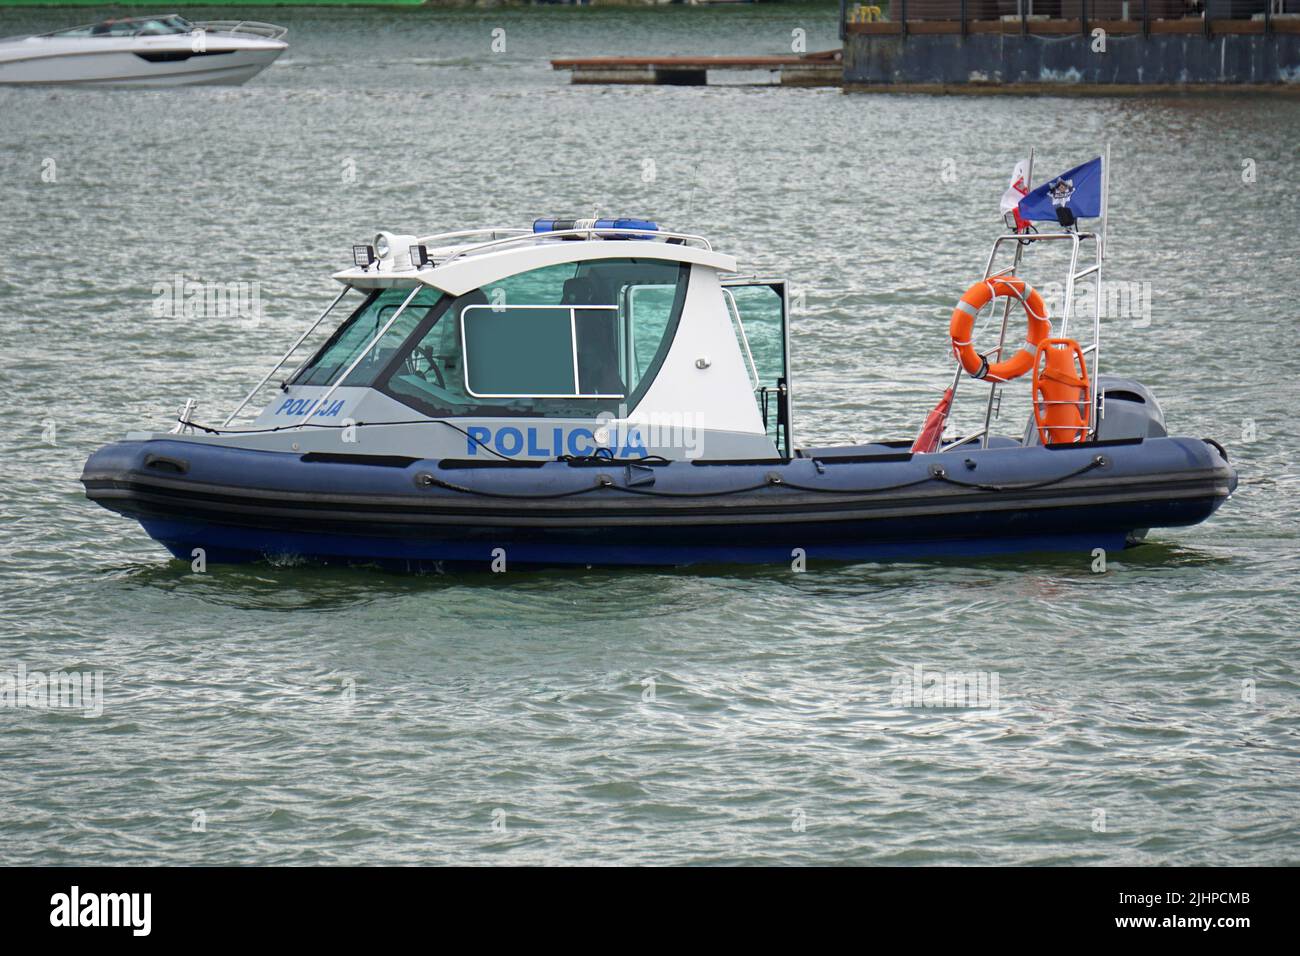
(1149, 714)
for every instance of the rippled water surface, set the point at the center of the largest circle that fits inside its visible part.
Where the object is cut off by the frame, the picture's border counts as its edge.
(1148, 714)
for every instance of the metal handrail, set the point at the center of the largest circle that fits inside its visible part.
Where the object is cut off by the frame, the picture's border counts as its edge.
(747, 278)
(256, 28)
(462, 233)
(995, 392)
(316, 406)
(285, 357)
(588, 233)
(744, 337)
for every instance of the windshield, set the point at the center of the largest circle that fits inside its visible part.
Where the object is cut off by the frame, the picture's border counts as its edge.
(348, 341)
(129, 27)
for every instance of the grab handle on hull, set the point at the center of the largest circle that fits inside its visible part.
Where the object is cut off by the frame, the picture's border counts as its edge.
(176, 466)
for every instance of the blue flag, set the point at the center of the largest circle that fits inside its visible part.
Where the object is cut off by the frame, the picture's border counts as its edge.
(1077, 192)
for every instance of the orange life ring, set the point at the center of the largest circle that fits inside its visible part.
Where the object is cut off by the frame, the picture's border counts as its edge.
(962, 325)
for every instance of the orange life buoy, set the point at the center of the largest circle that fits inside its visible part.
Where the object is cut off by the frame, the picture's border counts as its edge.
(962, 325)
(1062, 392)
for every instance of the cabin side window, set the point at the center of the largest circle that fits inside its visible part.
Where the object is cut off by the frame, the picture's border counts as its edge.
(570, 340)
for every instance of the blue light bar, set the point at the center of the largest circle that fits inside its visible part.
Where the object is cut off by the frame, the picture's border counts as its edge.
(564, 225)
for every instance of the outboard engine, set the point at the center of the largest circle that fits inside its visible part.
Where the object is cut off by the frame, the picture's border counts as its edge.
(1131, 412)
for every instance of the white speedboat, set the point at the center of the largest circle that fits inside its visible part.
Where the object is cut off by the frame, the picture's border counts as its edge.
(144, 51)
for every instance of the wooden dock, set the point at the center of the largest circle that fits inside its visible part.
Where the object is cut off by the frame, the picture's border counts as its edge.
(809, 69)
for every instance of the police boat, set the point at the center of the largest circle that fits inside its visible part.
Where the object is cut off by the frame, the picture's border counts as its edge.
(607, 392)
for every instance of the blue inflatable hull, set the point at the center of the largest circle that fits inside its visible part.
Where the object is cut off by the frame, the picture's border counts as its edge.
(874, 502)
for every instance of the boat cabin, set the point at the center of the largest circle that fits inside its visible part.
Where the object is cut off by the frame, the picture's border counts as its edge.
(575, 338)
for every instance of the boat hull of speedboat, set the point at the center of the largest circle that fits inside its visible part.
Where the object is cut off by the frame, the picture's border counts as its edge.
(173, 64)
(867, 503)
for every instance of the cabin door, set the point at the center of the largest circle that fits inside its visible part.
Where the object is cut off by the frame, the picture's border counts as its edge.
(759, 311)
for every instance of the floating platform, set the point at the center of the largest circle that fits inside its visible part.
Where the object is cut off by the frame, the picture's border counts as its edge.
(808, 69)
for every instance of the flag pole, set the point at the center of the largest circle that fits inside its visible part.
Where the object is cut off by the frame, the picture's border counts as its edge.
(1006, 310)
(1105, 202)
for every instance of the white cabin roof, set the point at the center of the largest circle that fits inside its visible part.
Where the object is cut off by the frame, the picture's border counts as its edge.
(460, 267)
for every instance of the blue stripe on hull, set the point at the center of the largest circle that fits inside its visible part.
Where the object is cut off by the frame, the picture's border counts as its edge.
(230, 544)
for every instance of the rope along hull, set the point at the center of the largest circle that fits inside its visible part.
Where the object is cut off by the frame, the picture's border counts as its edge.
(240, 505)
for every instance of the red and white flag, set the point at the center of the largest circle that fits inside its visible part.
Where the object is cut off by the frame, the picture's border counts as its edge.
(928, 441)
(1015, 192)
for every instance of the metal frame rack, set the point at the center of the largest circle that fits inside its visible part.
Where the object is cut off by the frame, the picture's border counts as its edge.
(1074, 275)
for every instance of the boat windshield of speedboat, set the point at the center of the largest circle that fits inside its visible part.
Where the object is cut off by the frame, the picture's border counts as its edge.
(170, 24)
(610, 392)
(129, 27)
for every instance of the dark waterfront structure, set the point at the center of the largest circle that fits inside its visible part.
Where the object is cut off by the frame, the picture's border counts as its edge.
(1079, 46)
